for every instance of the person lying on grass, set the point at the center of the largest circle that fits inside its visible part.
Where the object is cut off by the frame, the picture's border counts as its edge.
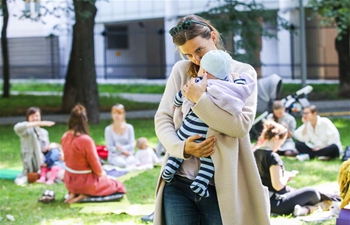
(84, 175)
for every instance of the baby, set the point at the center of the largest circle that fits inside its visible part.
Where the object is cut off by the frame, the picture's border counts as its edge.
(145, 156)
(54, 163)
(227, 94)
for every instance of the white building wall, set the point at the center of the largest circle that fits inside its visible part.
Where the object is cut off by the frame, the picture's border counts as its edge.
(273, 51)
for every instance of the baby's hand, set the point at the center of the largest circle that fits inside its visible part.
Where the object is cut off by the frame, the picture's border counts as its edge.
(294, 172)
(235, 76)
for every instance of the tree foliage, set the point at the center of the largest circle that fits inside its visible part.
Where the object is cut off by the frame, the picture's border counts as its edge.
(79, 19)
(243, 22)
(333, 13)
(338, 13)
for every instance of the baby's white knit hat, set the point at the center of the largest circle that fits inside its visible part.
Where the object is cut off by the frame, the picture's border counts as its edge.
(217, 62)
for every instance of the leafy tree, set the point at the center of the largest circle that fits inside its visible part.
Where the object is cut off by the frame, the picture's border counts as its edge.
(338, 13)
(242, 21)
(4, 49)
(80, 85)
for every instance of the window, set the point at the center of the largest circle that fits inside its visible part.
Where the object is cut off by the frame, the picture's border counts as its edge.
(117, 37)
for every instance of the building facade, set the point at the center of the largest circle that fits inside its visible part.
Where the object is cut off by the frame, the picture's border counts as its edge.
(131, 40)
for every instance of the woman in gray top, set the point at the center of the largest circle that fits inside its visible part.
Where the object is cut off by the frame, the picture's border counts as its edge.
(120, 139)
(34, 141)
(280, 116)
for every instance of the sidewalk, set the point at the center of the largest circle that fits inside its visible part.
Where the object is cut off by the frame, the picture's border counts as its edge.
(337, 108)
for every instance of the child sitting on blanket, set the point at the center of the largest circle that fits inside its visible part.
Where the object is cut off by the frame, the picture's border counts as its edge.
(145, 156)
(54, 163)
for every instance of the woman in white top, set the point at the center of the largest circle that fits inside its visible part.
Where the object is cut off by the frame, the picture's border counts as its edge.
(120, 139)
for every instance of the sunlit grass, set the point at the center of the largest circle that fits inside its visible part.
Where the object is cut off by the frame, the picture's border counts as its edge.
(18, 104)
(319, 92)
(21, 202)
(33, 85)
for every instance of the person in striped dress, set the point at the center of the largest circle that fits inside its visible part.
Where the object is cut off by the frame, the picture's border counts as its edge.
(217, 65)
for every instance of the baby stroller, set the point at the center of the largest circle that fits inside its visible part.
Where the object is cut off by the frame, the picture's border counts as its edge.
(268, 90)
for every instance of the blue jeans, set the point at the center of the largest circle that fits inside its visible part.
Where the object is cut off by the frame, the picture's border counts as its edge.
(182, 206)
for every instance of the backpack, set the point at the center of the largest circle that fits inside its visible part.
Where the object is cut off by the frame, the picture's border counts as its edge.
(346, 155)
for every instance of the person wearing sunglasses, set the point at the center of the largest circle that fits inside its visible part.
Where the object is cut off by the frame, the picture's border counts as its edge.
(236, 191)
(317, 137)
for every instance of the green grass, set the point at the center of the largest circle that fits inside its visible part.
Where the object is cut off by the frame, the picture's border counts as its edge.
(18, 104)
(103, 88)
(319, 92)
(21, 202)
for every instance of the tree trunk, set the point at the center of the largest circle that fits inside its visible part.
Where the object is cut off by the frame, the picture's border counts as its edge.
(5, 52)
(81, 85)
(343, 49)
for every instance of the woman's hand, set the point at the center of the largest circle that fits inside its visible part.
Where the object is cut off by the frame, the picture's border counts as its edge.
(46, 123)
(193, 91)
(202, 149)
(291, 174)
(126, 153)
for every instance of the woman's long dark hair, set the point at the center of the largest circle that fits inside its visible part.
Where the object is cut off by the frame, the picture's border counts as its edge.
(78, 121)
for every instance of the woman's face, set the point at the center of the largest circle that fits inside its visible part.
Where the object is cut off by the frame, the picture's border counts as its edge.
(118, 116)
(34, 117)
(279, 112)
(195, 48)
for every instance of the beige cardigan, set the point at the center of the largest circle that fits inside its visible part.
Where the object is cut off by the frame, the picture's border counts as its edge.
(32, 156)
(243, 200)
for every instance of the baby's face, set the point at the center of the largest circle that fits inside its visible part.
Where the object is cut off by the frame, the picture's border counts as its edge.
(201, 72)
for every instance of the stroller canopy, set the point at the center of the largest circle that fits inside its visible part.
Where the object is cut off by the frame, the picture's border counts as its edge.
(268, 90)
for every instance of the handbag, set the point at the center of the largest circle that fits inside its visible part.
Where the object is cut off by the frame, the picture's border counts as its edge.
(32, 177)
(346, 155)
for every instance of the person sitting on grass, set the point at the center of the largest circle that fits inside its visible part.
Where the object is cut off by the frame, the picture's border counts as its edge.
(283, 199)
(279, 115)
(120, 139)
(145, 156)
(84, 175)
(34, 140)
(53, 163)
(317, 137)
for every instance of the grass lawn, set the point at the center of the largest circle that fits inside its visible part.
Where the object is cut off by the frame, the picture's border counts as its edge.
(18, 104)
(319, 92)
(21, 202)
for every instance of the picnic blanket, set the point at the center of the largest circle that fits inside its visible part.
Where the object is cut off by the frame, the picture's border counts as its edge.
(10, 173)
(122, 205)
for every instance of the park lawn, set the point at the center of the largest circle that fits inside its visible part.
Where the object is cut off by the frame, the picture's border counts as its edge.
(21, 202)
(18, 104)
(319, 92)
(33, 85)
